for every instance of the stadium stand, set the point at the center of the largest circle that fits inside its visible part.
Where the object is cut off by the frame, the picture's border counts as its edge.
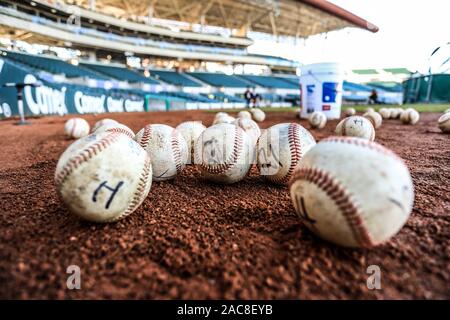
(54, 66)
(173, 77)
(119, 73)
(220, 80)
(269, 82)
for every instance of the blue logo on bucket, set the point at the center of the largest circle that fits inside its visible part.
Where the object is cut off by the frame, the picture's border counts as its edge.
(329, 91)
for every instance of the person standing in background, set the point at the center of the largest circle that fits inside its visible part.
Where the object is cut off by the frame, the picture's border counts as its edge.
(248, 97)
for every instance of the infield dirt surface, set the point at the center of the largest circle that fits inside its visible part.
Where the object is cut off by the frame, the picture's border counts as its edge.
(193, 239)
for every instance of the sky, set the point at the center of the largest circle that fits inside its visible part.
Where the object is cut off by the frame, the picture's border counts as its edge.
(409, 32)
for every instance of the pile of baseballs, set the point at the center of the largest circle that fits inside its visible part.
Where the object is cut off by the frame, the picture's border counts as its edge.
(406, 116)
(346, 189)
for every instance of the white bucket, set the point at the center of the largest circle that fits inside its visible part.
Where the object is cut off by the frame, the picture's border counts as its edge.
(321, 85)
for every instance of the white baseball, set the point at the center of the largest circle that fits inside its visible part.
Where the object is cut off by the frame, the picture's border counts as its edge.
(375, 118)
(370, 109)
(220, 114)
(244, 114)
(103, 177)
(103, 122)
(279, 150)
(409, 116)
(224, 119)
(224, 153)
(258, 115)
(385, 113)
(317, 120)
(76, 128)
(116, 127)
(447, 111)
(444, 122)
(395, 113)
(349, 112)
(352, 192)
(191, 130)
(167, 149)
(250, 127)
(356, 126)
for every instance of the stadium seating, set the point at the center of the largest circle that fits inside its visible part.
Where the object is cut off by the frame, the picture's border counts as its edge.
(54, 66)
(220, 80)
(174, 78)
(189, 96)
(120, 73)
(270, 82)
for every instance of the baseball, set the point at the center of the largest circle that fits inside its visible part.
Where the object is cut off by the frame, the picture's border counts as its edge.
(258, 115)
(191, 130)
(370, 109)
(375, 118)
(444, 122)
(103, 122)
(224, 153)
(356, 126)
(385, 113)
(103, 177)
(395, 113)
(352, 192)
(250, 127)
(447, 111)
(317, 120)
(76, 128)
(167, 149)
(349, 112)
(409, 116)
(279, 150)
(224, 119)
(116, 127)
(220, 114)
(244, 114)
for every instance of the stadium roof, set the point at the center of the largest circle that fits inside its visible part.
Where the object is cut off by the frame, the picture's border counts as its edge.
(301, 18)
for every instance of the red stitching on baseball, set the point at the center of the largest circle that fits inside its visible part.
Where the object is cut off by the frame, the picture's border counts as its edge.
(89, 152)
(120, 130)
(296, 154)
(341, 198)
(145, 136)
(176, 150)
(237, 150)
(139, 192)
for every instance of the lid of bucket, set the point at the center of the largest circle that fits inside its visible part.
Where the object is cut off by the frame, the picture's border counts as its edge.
(323, 68)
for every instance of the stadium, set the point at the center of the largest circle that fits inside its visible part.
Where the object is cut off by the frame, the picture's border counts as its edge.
(172, 61)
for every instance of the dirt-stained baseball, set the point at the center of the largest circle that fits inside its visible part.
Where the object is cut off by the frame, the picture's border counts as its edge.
(191, 130)
(224, 153)
(244, 114)
(250, 127)
(116, 127)
(76, 128)
(103, 122)
(167, 149)
(317, 120)
(279, 150)
(349, 112)
(410, 116)
(356, 126)
(103, 177)
(223, 119)
(375, 118)
(352, 192)
(444, 122)
(258, 115)
(385, 113)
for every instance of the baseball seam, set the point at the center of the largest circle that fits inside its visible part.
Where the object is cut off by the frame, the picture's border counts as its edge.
(237, 150)
(342, 199)
(139, 192)
(175, 144)
(89, 152)
(143, 141)
(296, 154)
(120, 130)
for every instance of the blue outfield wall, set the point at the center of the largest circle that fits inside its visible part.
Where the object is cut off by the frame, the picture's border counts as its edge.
(61, 99)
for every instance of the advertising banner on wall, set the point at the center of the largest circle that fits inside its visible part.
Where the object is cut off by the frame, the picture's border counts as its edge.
(61, 99)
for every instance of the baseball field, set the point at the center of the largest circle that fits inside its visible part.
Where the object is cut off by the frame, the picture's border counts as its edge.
(192, 239)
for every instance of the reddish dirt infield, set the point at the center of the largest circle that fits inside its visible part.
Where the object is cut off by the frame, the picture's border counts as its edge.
(193, 239)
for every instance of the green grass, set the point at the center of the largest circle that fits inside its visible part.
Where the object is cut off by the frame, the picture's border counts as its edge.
(359, 108)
